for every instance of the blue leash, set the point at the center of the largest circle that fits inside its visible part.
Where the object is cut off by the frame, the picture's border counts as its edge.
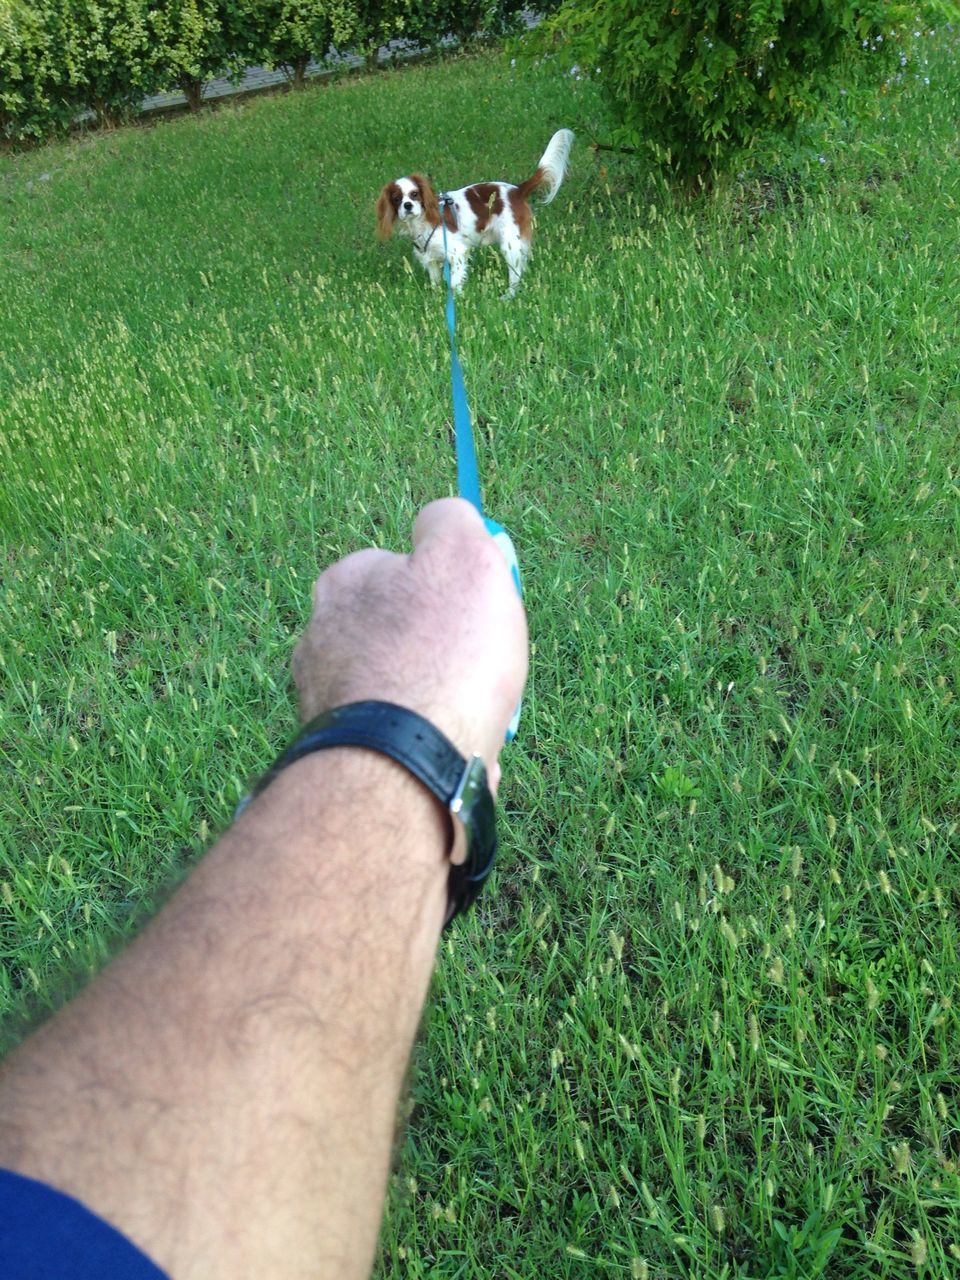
(468, 476)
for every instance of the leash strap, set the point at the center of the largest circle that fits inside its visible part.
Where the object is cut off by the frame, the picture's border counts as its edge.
(468, 476)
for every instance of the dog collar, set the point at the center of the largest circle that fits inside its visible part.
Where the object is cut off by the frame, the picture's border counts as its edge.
(423, 248)
(446, 202)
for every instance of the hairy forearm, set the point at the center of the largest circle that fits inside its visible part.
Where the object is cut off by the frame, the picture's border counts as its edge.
(224, 1092)
(266, 1016)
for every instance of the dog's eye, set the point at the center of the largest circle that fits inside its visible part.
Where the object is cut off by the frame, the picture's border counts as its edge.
(414, 195)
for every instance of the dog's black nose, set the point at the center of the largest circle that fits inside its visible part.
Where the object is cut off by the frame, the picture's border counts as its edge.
(408, 205)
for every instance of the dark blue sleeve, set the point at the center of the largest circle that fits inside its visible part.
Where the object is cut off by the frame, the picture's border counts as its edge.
(46, 1235)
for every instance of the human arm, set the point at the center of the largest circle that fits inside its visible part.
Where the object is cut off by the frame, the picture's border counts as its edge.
(224, 1092)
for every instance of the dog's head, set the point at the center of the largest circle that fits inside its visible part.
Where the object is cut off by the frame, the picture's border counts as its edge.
(408, 200)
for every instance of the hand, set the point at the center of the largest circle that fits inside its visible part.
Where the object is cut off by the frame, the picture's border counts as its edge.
(441, 631)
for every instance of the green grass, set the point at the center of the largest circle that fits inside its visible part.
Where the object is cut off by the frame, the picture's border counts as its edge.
(704, 1023)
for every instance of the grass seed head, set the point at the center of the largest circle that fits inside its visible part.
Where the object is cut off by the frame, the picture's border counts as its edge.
(754, 1033)
(918, 1251)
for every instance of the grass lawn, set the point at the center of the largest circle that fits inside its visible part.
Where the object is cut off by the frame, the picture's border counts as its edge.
(705, 1021)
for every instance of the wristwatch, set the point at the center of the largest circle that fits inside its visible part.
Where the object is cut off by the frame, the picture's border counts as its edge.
(459, 784)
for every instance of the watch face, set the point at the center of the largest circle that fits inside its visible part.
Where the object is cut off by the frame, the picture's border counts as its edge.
(474, 831)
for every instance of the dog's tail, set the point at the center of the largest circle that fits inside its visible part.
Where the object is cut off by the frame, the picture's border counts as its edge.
(552, 166)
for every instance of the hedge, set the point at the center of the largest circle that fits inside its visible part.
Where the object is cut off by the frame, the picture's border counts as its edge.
(60, 58)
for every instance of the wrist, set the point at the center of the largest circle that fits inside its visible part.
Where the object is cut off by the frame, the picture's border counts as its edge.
(456, 786)
(352, 816)
(370, 800)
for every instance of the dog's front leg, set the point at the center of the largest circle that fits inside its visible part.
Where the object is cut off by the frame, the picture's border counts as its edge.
(429, 265)
(458, 270)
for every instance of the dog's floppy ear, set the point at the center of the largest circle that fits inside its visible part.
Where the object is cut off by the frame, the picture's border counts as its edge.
(386, 211)
(431, 206)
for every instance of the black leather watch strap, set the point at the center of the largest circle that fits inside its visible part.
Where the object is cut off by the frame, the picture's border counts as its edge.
(412, 741)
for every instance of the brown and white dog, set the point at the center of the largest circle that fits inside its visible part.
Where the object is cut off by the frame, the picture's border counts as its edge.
(486, 213)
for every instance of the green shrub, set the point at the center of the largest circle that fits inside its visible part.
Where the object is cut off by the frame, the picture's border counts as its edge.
(428, 22)
(192, 43)
(697, 82)
(63, 55)
(290, 33)
(32, 99)
(106, 46)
